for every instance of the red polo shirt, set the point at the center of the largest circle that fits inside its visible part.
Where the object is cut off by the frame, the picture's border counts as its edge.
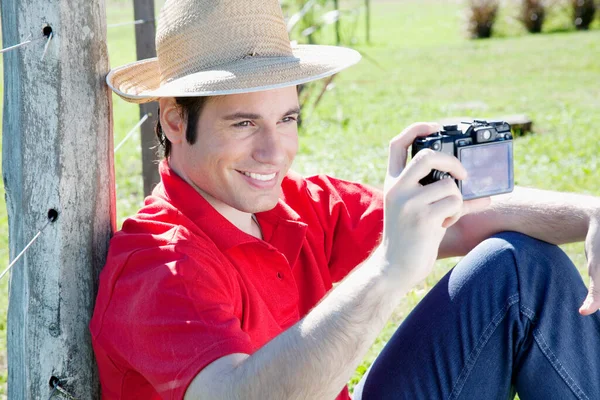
(183, 287)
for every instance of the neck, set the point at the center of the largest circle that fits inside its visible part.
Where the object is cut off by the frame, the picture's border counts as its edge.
(242, 220)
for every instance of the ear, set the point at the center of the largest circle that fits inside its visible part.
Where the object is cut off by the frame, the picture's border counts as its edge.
(171, 121)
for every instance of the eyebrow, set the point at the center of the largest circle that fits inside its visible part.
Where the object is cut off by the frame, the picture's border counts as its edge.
(244, 115)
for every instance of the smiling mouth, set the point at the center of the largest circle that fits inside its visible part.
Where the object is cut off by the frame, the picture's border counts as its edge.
(259, 177)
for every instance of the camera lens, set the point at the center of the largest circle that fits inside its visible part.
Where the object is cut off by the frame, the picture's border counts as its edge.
(437, 146)
(486, 135)
(439, 175)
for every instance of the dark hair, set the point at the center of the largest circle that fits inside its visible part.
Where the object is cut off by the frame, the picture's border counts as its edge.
(190, 109)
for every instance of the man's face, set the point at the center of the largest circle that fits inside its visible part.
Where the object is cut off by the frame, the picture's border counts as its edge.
(245, 145)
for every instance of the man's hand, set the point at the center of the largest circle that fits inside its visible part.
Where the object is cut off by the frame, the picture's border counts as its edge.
(592, 247)
(416, 217)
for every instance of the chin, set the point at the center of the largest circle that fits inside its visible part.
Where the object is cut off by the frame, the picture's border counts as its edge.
(261, 205)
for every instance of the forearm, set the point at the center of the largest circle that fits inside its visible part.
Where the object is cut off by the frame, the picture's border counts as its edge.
(315, 358)
(554, 217)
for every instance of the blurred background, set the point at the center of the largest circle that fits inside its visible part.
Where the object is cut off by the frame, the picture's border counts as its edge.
(423, 60)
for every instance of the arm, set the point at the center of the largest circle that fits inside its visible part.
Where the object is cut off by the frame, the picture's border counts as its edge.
(315, 358)
(553, 217)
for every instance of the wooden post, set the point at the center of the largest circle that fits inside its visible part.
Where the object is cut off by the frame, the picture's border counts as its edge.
(56, 154)
(145, 48)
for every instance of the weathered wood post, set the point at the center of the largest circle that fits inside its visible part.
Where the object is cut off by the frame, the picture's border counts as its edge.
(56, 154)
(145, 48)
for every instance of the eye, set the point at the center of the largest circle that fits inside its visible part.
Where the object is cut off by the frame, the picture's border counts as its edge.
(289, 119)
(243, 124)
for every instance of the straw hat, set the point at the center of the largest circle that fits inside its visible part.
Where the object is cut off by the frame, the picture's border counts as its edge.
(217, 47)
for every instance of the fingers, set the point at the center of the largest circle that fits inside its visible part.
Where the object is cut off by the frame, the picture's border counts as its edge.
(426, 160)
(437, 191)
(399, 145)
(440, 190)
(591, 303)
(448, 210)
(477, 205)
(443, 199)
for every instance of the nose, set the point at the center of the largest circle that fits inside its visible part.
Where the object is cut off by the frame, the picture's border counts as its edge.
(269, 148)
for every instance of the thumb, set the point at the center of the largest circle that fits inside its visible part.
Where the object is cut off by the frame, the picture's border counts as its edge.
(591, 303)
(398, 152)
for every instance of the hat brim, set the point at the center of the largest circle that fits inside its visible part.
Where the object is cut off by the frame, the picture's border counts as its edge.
(139, 82)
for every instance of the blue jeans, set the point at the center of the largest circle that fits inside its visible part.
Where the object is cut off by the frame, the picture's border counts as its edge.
(505, 319)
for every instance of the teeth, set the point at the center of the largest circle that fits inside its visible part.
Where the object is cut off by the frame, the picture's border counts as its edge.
(260, 177)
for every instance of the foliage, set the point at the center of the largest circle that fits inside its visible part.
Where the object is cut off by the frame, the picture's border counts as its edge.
(518, 17)
(321, 22)
(532, 15)
(583, 13)
(304, 22)
(481, 15)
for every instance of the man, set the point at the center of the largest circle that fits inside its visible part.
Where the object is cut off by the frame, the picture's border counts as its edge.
(221, 286)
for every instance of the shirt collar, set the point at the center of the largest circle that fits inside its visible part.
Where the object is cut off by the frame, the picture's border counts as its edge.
(282, 226)
(283, 229)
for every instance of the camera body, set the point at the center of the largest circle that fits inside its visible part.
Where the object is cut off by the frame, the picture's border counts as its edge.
(485, 149)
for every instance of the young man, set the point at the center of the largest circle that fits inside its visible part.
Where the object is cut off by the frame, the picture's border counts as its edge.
(221, 286)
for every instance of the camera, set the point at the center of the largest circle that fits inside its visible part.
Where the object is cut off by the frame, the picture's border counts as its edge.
(485, 149)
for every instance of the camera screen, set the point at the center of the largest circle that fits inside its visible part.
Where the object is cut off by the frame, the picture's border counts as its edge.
(489, 168)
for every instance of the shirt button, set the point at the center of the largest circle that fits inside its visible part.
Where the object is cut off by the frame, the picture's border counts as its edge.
(279, 275)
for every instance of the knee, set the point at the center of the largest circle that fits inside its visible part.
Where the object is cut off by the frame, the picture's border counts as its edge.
(535, 262)
(512, 258)
(516, 240)
(527, 251)
(510, 266)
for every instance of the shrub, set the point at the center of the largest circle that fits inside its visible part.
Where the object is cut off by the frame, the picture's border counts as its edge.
(532, 15)
(583, 13)
(481, 15)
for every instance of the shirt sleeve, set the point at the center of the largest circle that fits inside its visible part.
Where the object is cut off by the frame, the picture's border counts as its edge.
(175, 316)
(351, 216)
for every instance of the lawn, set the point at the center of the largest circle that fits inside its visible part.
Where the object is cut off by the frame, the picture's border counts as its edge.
(418, 66)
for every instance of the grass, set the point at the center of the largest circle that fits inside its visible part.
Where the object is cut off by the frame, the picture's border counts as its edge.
(426, 70)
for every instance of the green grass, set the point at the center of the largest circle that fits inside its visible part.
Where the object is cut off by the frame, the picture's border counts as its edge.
(433, 72)
(426, 70)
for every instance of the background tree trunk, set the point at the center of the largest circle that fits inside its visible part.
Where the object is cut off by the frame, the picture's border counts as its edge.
(56, 154)
(145, 48)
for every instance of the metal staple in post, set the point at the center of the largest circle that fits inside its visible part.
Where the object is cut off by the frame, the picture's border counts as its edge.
(56, 385)
(47, 44)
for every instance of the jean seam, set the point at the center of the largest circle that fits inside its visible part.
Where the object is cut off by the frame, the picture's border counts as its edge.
(528, 312)
(485, 337)
(556, 364)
